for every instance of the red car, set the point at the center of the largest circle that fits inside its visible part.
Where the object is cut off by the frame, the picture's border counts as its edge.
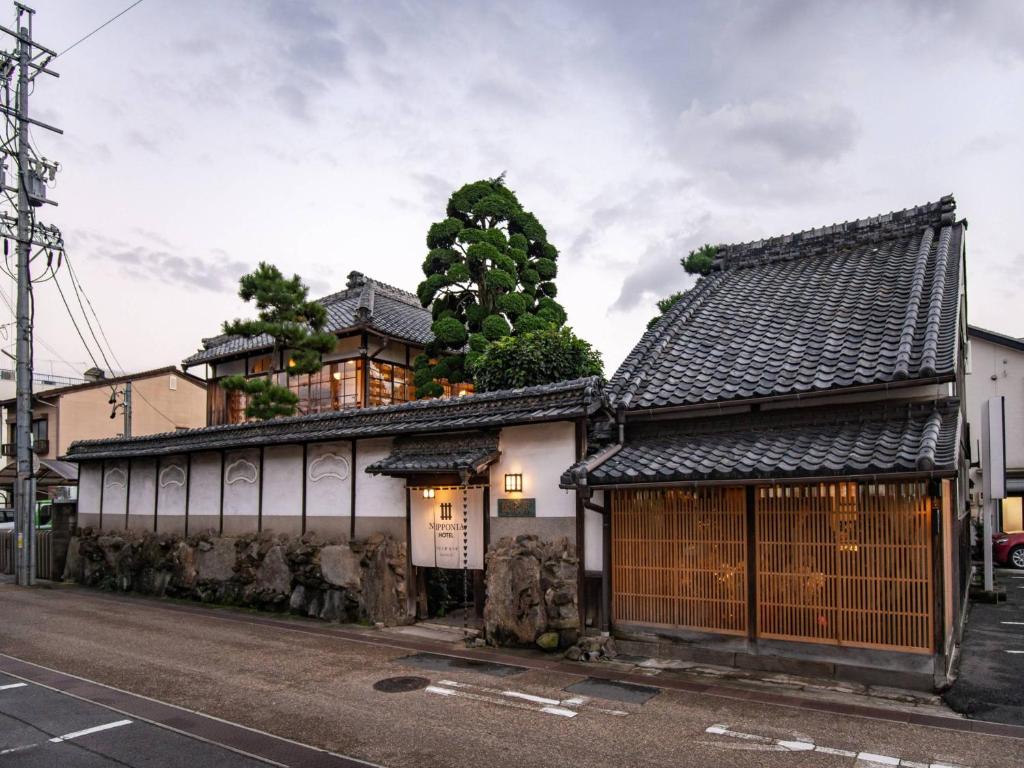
(1008, 549)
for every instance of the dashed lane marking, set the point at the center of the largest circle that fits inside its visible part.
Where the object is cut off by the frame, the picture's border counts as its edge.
(864, 759)
(87, 731)
(12, 685)
(1014, 623)
(67, 736)
(1009, 651)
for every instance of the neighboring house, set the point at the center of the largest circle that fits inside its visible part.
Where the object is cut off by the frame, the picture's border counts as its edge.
(997, 369)
(381, 329)
(790, 477)
(40, 381)
(162, 400)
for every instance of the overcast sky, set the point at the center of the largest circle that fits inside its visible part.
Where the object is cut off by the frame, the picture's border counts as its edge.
(203, 137)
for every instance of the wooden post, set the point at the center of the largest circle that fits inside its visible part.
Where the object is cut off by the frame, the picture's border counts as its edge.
(410, 580)
(188, 486)
(305, 482)
(751, 562)
(103, 485)
(220, 524)
(259, 503)
(352, 504)
(606, 564)
(581, 528)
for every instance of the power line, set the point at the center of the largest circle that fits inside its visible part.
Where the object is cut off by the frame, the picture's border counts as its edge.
(101, 26)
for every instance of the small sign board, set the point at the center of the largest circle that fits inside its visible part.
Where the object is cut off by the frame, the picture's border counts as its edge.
(993, 448)
(517, 507)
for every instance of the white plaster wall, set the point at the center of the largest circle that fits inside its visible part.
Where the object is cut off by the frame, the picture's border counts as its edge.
(347, 347)
(328, 495)
(89, 480)
(541, 453)
(229, 368)
(204, 485)
(593, 557)
(115, 490)
(142, 500)
(997, 370)
(171, 486)
(377, 496)
(241, 497)
(282, 481)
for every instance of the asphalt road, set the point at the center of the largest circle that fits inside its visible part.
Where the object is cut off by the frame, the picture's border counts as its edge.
(40, 728)
(991, 681)
(316, 685)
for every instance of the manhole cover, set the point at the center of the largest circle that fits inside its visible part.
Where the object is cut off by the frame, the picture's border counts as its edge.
(400, 684)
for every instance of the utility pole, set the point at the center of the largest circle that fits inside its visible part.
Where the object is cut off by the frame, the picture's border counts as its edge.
(125, 405)
(28, 234)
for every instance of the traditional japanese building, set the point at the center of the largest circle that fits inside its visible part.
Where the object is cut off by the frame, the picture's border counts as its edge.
(380, 329)
(784, 483)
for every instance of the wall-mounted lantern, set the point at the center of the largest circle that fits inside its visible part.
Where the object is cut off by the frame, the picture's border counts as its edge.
(429, 493)
(514, 483)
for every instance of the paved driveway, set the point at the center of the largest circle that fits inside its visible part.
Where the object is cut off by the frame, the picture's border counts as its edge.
(991, 681)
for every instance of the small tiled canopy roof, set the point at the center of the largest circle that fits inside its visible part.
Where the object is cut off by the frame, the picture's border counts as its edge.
(545, 403)
(860, 303)
(444, 453)
(796, 443)
(364, 304)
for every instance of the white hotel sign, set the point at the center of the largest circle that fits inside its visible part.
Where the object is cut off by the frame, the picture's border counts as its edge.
(437, 528)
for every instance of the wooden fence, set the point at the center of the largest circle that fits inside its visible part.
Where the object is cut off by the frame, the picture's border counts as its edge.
(679, 558)
(846, 564)
(46, 567)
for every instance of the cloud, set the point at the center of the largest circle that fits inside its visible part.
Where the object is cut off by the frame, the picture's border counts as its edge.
(659, 273)
(216, 273)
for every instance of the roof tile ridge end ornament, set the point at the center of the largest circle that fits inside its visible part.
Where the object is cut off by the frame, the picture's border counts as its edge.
(364, 309)
(913, 305)
(661, 333)
(938, 290)
(929, 441)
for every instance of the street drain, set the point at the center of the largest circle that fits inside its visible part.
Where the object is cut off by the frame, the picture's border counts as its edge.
(400, 684)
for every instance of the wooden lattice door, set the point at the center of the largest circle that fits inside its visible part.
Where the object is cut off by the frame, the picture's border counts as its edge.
(679, 558)
(846, 564)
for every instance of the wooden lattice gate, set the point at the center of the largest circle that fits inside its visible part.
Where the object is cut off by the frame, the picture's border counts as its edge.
(846, 564)
(679, 558)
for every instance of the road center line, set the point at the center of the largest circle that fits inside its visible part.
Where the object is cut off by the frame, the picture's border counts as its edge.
(87, 731)
(12, 685)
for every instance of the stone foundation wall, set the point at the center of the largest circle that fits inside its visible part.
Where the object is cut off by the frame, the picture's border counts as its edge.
(361, 580)
(532, 593)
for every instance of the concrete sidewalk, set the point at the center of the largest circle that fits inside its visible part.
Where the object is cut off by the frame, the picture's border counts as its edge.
(990, 685)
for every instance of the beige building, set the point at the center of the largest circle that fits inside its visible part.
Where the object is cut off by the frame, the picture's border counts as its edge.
(997, 369)
(162, 400)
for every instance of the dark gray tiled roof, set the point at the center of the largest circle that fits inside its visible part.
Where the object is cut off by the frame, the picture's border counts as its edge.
(365, 303)
(548, 402)
(447, 453)
(805, 442)
(865, 302)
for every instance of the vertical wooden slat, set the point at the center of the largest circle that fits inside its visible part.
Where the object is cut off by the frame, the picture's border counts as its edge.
(846, 564)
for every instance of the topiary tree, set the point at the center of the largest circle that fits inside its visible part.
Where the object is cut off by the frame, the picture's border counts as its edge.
(535, 357)
(294, 324)
(489, 274)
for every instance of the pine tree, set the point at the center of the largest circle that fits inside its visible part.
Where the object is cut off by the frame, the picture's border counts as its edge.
(294, 325)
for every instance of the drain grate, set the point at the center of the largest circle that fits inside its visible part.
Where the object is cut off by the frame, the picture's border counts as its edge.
(402, 684)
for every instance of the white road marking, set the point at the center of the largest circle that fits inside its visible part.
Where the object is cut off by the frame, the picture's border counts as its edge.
(1009, 651)
(501, 702)
(1014, 623)
(575, 701)
(12, 685)
(559, 711)
(87, 731)
(17, 749)
(864, 759)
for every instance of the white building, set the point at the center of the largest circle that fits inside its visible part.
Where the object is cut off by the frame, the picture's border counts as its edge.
(997, 369)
